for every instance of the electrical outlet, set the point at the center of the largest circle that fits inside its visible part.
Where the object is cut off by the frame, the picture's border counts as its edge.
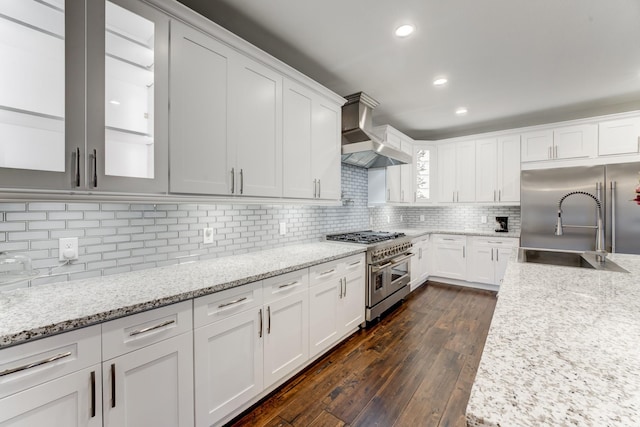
(388, 219)
(421, 217)
(68, 248)
(208, 235)
(401, 218)
(370, 220)
(483, 219)
(283, 228)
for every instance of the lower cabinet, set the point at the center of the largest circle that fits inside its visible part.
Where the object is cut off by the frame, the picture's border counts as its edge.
(488, 258)
(420, 261)
(450, 256)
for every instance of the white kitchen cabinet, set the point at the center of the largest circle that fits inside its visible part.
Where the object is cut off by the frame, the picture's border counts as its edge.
(424, 162)
(149, 381)
(336, 301)
(456, 172)
(311, 144)
(619, 136)
(55, 381)
(286, 336)
(488, 258)
(399, 178)
(498, 169)
(449, 256)
(199, 116)
(419, 261)
(569, 142)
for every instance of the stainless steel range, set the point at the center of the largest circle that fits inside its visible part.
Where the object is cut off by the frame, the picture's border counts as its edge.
(389, 267)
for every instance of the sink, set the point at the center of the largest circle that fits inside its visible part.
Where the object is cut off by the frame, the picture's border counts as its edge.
(566, 259)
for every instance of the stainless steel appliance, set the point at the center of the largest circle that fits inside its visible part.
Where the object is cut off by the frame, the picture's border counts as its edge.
(389, 267)
(612, 185)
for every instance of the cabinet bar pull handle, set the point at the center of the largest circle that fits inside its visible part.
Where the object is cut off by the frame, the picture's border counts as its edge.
(315, 188)
(34, 364)
(319, 189)
(499, 195)
(549, 152)
(555, 152)
(241, 181)
(613, 216)
(76, 162)
(497, 255)
(94, 178)
(233, 180)
(340, 288)
(388, 194)
(93, 394)
(268, 319)
(451, 240)
(463, 252)
(113, 385)
(497, 243)
(260, 329)
(494, 195)
(286, 285)
(151, 328)
(345, 286)
(457, 196)
(226, 304)
(491, 254)
(454, 197)
(328, 272)
(355, 263)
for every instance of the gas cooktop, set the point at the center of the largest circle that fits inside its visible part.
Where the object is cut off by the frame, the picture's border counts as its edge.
(367, 237)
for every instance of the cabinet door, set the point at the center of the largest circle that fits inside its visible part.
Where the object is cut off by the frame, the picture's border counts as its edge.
(536, 146)
(407, 176)
(502, 259)
(352, 304)
(466, 171)
(509, 168)
(324, 322)
(41, 93)
(481, 264)
(619, 136)
(228, 365)
(326, 149)
(424, 174)
(69, 401)
(393, 183)
(256, 128)
(298, 180)
(447, 173)
(286, 344)
(151, 386)
(198, 140)
(127, 97)
(450, 259)
(486, 170)
(575, 141)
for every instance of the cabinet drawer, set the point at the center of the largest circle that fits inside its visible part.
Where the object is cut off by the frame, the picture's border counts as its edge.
(29, 364)
(286, 284)
(353, 265)
(218, 306)
(130, 333)
(322, 273)
(492, 241)
(449, 238)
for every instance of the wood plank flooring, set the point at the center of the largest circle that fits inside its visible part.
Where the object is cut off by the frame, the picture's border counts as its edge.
(413, 368)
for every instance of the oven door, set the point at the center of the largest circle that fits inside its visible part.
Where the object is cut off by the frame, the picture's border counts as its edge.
(400, 272)
(379, 278)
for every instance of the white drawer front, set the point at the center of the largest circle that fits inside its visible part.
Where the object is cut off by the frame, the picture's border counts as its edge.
(286, 284)
(495, 241)
(26, 365)
(322, 273)
(129, 333)
(220, 305)
(448, 238)
(353, 264)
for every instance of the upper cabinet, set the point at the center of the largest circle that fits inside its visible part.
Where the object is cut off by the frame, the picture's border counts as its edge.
(311, 144)
(619, 136)
(399, 178)
(456, 172)
(498, 169)
(424, 164)
(569, 142)
(84, 102)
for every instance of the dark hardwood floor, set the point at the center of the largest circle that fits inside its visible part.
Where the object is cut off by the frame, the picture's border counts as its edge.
(413, 368)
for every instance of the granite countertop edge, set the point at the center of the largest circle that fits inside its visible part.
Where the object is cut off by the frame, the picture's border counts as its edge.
(13, 336)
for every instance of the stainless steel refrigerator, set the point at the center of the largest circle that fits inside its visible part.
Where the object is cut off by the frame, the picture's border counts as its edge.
(614, 185)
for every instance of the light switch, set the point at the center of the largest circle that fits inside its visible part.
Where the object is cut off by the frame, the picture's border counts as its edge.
(208, 235)
(483, 219)
(283, 228)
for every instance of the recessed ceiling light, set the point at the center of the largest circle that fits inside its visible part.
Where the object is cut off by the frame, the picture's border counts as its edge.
(404, 30)
(114, 102)
(461, 111)
(441, 81)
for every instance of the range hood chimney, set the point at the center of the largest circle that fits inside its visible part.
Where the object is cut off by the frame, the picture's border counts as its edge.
(360, 146)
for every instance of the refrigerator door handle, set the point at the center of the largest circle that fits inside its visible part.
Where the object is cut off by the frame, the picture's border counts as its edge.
(613, 217)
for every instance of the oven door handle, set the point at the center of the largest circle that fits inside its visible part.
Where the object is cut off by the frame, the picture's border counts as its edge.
(401, 259)
(376, 268)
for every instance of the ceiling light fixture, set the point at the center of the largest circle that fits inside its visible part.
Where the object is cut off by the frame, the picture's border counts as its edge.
(441, 81)
(461, 111)
(114, 102)
(404, 30)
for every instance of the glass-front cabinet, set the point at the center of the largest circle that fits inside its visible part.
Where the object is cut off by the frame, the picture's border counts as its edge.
(424, 158)
(83, 98)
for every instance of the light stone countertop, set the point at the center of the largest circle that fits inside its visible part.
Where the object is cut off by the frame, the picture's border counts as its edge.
(563, 349)
(45, 310)
(417, 232)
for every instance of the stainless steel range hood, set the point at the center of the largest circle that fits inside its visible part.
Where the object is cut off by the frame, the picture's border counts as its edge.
(360, 146)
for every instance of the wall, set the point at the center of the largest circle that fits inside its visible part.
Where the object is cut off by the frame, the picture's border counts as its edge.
(458, 217)
(121, 237)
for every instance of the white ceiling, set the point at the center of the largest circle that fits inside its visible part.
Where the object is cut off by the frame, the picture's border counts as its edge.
(510, 62)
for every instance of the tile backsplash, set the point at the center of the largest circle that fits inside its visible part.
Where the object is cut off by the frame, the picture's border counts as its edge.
(121, 237)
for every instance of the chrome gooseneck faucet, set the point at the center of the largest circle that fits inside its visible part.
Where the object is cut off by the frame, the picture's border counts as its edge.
(600, 252)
